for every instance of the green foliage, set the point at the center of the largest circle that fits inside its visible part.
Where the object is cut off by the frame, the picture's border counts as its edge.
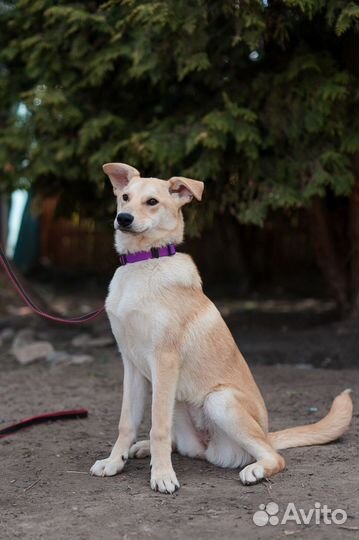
(257, 100)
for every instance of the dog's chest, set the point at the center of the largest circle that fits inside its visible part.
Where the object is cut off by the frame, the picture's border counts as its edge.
(138, 314)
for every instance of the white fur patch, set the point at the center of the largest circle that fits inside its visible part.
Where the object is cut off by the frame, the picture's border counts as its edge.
(252, 474)
(139, 319)
(107, 467)
(223, 450)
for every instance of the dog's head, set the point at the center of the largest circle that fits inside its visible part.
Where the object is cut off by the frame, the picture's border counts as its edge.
(149, 209)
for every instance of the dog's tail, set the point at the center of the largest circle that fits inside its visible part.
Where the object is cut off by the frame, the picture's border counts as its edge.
(330, 428)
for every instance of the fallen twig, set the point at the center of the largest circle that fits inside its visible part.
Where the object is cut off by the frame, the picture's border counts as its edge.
(32, 485)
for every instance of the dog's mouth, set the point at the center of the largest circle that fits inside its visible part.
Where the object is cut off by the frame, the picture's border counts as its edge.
(126, 230)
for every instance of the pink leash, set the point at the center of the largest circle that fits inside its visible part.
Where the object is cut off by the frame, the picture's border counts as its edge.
(60, 415)
(81, 319)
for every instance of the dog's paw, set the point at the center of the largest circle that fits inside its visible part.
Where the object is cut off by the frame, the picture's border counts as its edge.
(252, 474)
(140, 449)
(107, 467)
(165, 482)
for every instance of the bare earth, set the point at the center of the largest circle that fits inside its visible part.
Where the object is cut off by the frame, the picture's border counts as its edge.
(47, 492)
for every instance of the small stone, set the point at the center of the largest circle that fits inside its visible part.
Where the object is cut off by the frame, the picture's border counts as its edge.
(85, 340)
(22, 338)
(34, 351)
(101, 342)
(7, 334)
(78, 359)
(58, 357)
(80, 340)
(312, 409)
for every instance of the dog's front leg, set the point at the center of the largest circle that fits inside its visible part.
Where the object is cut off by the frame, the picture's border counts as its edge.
(164, 383)
(135, 389)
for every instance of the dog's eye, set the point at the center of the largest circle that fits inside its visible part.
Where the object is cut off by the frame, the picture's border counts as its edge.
(125, 197)
(152, 202)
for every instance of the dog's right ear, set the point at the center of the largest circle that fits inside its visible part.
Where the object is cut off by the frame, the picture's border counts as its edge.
(120, 174)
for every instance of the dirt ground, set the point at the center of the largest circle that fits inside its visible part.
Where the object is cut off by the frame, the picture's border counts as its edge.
(47, 492)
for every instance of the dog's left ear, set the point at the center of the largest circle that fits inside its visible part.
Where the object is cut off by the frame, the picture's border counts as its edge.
(184, 189)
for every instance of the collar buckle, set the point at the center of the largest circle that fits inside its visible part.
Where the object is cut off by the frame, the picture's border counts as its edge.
(171, 250)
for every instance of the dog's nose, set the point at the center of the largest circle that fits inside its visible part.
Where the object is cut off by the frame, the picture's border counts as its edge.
(124, 219)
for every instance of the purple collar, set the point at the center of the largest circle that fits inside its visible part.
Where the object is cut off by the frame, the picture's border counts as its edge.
(154, 253)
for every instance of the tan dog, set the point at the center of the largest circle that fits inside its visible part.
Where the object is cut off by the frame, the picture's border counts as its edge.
(205, 402)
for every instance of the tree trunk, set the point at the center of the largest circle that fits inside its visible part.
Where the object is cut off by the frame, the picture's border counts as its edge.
(327, 258)
(354, 241)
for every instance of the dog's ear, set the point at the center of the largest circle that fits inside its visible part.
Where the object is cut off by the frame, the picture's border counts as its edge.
(120, 174)
(184, 189)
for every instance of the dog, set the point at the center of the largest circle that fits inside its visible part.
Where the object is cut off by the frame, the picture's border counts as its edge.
(205, 402)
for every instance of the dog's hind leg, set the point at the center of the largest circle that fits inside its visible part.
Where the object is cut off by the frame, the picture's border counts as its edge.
(227, 409)
(185, 437)
(140, 449)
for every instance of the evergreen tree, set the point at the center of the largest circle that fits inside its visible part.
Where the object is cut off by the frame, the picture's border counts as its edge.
(258, 98)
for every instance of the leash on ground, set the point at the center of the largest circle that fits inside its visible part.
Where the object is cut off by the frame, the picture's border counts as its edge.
(59, 415)
(81, 319)
(47, 417)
